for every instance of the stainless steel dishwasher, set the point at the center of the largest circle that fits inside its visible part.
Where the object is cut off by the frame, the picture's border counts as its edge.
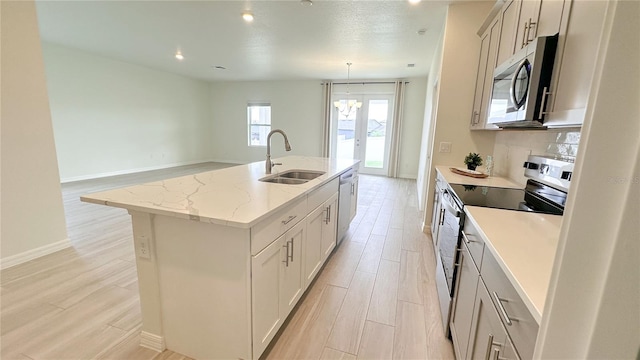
(344, 204)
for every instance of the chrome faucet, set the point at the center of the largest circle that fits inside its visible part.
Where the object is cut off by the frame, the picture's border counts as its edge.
(287, 146)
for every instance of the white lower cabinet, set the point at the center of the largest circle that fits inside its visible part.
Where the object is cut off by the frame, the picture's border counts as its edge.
(488, 337)
(462, 315)
(321, 237)
(283, 270)
(277, 284)
(330, 227)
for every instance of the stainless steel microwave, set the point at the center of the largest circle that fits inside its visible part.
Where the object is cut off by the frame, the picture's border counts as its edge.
(521, 86)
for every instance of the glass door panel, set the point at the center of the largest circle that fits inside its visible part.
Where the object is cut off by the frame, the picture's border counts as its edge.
(377, 116)
(363, 132)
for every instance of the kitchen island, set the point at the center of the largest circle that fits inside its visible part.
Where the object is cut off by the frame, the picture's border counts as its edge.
(223, 257)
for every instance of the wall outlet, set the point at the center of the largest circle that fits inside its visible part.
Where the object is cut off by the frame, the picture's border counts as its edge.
(445, 147)
(144, 251)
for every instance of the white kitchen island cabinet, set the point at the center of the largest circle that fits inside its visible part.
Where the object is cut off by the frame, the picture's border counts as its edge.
(221, 256)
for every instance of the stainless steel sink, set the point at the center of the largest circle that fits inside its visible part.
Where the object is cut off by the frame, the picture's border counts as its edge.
(280, 180)
(301, 174)
(293, 177)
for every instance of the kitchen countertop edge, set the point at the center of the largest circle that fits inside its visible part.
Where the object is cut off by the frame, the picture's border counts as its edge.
(249, 174)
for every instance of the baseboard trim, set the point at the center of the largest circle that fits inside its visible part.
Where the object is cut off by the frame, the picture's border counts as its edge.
(132, 171)
(152, 341)
(28, 255)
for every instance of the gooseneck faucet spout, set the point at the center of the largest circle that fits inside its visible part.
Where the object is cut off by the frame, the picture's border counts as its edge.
(287, 146)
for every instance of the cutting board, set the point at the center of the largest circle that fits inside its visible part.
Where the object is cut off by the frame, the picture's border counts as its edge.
(471, 173)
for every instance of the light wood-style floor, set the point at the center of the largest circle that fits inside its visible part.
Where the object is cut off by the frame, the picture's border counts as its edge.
(375, 298)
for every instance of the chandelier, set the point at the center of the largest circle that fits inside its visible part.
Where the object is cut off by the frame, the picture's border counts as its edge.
(346, 107)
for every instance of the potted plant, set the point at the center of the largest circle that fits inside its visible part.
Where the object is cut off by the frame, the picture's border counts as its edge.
(472, 161)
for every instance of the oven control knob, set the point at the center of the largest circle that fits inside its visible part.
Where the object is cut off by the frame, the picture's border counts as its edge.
(566, 175)
(530, 165)
(544, 169)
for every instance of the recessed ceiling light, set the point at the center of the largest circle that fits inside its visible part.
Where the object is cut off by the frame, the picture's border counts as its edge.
(248, 17)
(306, 2)
(411, 65)
(422, 31)
(414, 1)
(179, 55)
(218, 67)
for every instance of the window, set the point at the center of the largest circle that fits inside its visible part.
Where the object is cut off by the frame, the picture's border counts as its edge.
(259, 119)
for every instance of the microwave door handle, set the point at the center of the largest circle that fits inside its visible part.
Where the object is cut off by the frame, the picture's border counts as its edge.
(514, 80)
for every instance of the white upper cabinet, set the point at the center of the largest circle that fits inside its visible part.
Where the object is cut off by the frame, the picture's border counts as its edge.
(578, 48)
(489, 42)
(508, 27)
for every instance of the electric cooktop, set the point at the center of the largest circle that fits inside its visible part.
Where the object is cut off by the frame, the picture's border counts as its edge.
(535, 198)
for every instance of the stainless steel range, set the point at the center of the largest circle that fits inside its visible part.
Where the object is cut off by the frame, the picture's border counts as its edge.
(545, 192)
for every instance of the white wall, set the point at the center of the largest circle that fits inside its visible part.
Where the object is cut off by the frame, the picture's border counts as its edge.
(410, 136)
(456, 79)
(112, 117)
(33, 221)
(592, 309)
(428, 128)
(295, 108)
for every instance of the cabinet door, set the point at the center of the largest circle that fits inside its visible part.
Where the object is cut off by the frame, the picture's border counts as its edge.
(508, 23)
(354, 197)
(291, 278)
(265, 288)
(476, 118)
(329, 228)
(487, 333)
(494, 38)
(528, 21)
(313, 248)
(578, 55)
(465, 296)
(549, 18)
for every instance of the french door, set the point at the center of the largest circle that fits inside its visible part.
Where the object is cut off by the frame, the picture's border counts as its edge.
(363, 133)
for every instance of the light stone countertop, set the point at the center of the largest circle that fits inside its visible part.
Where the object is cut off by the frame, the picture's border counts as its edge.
(493, 181)
(524, 245)
(231, 196)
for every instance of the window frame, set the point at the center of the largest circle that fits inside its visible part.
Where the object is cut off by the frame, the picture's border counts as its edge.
(250, 105)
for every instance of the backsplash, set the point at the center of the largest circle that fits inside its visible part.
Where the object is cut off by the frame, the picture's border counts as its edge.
(512, 148)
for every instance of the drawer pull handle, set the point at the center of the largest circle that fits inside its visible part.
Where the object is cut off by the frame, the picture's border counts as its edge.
(286, 257)
(291, 256)
(291, 217)
(489, 345)
(499, 301)
(466, 239)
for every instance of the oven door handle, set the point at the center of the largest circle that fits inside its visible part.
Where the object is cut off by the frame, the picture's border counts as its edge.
(450, 208)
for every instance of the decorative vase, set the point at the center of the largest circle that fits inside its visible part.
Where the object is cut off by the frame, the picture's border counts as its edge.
(471, 167)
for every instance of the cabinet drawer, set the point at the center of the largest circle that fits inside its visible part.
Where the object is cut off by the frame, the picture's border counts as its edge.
(523, 329)
(267, 230)
(322, 194)
(474, 242)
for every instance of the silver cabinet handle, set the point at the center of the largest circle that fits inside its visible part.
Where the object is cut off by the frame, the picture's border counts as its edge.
(290, 257)
(525, 36)
(289, 219)
(531, 24)
(327, 218)
(545, 95)
(499, 301)
(353, 188)
(466, 239)
(475, 117)
(489, 345)
(286, 258)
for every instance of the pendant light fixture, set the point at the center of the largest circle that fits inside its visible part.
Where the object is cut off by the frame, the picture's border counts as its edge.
(345, 108)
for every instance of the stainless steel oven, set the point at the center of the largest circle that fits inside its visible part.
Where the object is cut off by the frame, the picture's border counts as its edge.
(451, 223)
(545, 192)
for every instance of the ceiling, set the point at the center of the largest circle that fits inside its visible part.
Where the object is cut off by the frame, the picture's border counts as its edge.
(287, 40)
